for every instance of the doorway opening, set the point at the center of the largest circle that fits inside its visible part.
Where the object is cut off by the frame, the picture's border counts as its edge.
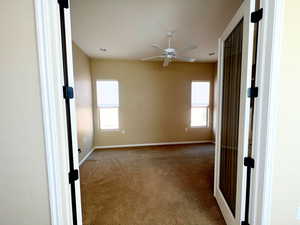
(135, 102)
(147, 92)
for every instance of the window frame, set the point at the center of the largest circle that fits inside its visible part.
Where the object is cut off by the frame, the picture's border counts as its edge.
(99, 108)
(207, 107)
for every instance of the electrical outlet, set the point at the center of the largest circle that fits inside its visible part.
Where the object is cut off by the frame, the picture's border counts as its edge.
(298, 213)
(186, 129)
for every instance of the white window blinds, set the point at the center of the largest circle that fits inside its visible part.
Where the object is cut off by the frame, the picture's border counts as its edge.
(199, 104)
(200, 93)
(107, 94)
(108, 104)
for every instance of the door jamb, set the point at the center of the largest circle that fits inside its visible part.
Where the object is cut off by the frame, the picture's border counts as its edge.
(53, 109)
(266, 110)
(54, 121)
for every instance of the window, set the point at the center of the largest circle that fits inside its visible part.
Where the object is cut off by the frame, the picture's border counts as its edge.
(199, 104)
(108, 104)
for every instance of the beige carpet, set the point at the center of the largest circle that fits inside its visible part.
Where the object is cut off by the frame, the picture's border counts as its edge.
(165, 185)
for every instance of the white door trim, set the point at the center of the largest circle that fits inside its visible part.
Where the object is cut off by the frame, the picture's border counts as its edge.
(266, 109)
(53, 107)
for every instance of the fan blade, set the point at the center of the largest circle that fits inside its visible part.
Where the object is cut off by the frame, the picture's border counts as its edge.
(166, 62)
(188, 48)
(157, 46)
(153, 57)
(185, 59)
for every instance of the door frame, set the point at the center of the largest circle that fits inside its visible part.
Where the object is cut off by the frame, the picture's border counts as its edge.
(54, 119)
(266, 110)
(48, 35)
(244, 111)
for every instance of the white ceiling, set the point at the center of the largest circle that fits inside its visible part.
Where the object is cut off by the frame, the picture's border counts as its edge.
(127, 28)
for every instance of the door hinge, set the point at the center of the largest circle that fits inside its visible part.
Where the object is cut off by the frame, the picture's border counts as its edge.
(68, 92)
(73, 176)
(257, 16)
(249, 162)
(63, 3)
(253, 92)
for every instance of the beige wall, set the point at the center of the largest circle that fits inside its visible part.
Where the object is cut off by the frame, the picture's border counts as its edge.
(84, 103)
(23, 183)
(154, 101)
(286, 178)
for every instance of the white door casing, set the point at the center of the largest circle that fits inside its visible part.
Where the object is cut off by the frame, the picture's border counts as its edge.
(54, 113)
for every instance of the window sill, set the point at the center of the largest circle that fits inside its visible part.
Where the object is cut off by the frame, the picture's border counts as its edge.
(197, 127)
(112, 131)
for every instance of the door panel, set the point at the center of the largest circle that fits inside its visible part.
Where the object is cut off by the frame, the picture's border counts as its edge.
(233, 108)
(230, 114)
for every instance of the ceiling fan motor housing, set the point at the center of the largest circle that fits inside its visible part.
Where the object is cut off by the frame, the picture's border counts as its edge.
(169, 53)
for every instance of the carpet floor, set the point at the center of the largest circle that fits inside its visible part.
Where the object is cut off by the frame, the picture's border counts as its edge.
(161, 185)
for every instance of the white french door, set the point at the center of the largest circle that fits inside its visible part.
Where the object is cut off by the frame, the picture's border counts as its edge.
(234, 77)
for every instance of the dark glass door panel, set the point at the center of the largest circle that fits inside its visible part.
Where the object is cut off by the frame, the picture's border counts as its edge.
(230, 114)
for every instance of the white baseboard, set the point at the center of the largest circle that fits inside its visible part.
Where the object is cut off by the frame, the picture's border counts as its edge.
(153, 144)
(86, 156)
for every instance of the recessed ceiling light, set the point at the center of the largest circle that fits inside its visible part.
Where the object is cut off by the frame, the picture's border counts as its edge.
(212, 53)
(103, 49)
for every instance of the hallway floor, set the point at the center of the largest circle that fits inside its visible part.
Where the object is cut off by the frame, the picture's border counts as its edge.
(161, 185)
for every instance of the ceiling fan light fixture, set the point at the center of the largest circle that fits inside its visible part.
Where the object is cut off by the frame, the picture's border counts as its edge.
(169, 54)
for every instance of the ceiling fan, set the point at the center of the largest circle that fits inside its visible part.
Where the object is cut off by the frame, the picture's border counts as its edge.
(170, 54)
